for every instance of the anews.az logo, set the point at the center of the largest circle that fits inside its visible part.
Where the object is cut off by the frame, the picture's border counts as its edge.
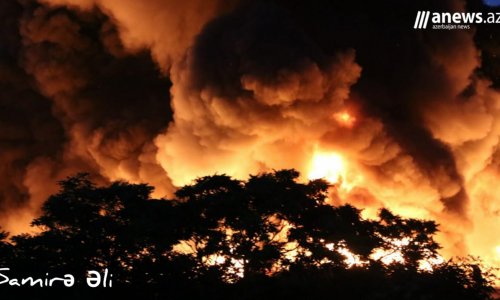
(457, 20)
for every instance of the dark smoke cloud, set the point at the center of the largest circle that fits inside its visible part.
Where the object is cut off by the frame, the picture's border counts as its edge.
(404, 71)
(74, 100)
(252, 84)
(28, 129)
(256, 40)
(430, 90)
(110, 106)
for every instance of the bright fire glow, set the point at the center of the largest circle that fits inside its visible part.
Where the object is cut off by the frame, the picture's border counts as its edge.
(344, 119)
(236, 266)
(351, 259)
(328, 166)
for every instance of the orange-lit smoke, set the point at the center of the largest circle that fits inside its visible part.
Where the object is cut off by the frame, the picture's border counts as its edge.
(77, 74)
(245, 104)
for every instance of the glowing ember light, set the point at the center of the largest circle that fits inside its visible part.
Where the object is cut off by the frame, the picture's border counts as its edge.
(391, 256)
(329, 166)
(428, 265)
(351, 259)
(344, 119)
(388, 257)
(236, 266)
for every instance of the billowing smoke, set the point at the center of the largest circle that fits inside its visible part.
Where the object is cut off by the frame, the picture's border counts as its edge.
(25, 135)
(82, 103)
(165, 91)
(166, 28)
(250, 88)
(109, 103)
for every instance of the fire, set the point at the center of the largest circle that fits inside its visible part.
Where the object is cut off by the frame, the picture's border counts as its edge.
(345, 119)
(329, 166)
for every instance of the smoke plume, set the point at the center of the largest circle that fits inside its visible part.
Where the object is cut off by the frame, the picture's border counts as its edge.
(165, 91)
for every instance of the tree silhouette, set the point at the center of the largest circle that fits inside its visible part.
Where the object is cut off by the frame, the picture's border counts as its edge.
(267, 237)
(5, 248)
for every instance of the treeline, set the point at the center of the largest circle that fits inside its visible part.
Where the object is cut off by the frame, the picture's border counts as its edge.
(269, 237)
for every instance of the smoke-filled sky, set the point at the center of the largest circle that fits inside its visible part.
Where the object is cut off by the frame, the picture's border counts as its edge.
(164, 91)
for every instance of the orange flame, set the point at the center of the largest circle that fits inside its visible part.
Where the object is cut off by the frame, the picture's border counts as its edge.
(345, 119)
(328, 166)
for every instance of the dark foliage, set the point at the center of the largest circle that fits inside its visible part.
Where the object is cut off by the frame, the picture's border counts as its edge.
(269, 237)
